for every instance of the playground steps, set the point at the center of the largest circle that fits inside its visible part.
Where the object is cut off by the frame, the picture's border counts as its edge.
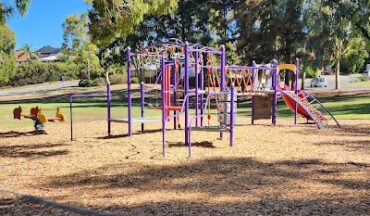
(316, 115)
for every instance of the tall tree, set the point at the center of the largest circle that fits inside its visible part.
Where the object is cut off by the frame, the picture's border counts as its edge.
(5, 10)
(270, 30)
(7, 58)
(326, 18)
(111, 19)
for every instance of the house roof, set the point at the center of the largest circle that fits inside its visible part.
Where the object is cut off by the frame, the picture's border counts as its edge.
(48, 50)
(22, 56)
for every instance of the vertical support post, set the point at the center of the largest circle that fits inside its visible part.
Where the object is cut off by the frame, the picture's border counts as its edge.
(109, 111)
(254, 70)
(223, 64)
(296, 90)
(196, 87)
(142, 103)
(274, 85)
(232, 109)
(129, 91)
(186, 93)
(174, 70)
(71, 117)
(163, 105)
(202, 88)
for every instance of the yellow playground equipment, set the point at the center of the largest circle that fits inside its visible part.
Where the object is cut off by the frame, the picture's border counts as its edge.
(36, 114)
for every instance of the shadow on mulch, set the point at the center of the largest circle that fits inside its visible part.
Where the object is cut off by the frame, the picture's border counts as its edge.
(12, 134)
(237, 177)
(126, 135)
(31, 151)
(204, 144)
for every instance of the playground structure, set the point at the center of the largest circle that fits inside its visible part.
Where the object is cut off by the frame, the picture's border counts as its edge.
(166, 70)
(38, 117)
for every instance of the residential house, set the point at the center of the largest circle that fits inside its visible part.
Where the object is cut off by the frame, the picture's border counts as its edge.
(49, 54)
(22, 56)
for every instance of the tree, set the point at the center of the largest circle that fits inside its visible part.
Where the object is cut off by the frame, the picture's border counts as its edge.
(270, 30)
(111, 19)
(7, 57)
(78, 48)
(335, 22)
(355, 55)
(5, 11)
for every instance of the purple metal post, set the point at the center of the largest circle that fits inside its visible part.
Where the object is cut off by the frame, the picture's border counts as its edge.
(232, 103)
(254, 65)
(109, 111)
(223, 63)
(274, 85)
(296, 90)
(196, 87)
(142, 103)
(129, 96)
(163, 105)
(174, 67)
(202, 95)
(186, 93)
(71, 117)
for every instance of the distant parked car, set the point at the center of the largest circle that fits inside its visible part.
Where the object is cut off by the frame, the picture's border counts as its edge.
(319, 82)
(365, 73)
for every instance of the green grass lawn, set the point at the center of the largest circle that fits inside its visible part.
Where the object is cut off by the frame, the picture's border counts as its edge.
(359, 84)
(88, 109)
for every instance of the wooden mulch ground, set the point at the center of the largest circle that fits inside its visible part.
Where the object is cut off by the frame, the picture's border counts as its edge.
(294, 170)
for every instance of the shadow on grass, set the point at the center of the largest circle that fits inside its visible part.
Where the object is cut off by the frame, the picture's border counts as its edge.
(234, 178)
(31, 151)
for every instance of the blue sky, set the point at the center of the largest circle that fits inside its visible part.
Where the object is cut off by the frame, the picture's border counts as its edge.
(42, 25)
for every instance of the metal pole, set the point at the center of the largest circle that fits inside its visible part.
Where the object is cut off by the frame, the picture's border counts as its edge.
(71, 117)
(254, 65)
(196, 87)
(296, 90)
(142, 103)
(232, 103)
(223, 63)
(174, 68)
(129, 96)
(186, 93)
(274, 85)
(163, 105)
(203, 88)
(109, 111)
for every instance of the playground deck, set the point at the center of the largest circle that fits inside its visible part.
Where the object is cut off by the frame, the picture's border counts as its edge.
(297, 170)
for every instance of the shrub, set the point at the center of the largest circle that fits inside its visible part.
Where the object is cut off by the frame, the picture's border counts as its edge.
(117, 79)
(39, 72)
(311, 72)
(135, 80)
(87, 83)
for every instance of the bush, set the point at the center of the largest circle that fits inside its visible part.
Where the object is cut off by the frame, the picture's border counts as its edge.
(117, 79)
(364, 78)
(87, 83)
(35, 72)
(311, 72)
(135, 80)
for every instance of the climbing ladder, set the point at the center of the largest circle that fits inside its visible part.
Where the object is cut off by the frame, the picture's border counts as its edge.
(314, 109)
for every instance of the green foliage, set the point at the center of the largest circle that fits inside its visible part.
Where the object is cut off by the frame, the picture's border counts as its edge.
(355, 55)
(79, 49)
(87, 83)
(6, 11)
(270, 30)
(135, 80)
(110, 19)
(7, 58)
(311, 71)
(35, 72)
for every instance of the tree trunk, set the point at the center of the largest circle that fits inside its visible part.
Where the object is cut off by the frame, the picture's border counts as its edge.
(337, 74)
(303, 80)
